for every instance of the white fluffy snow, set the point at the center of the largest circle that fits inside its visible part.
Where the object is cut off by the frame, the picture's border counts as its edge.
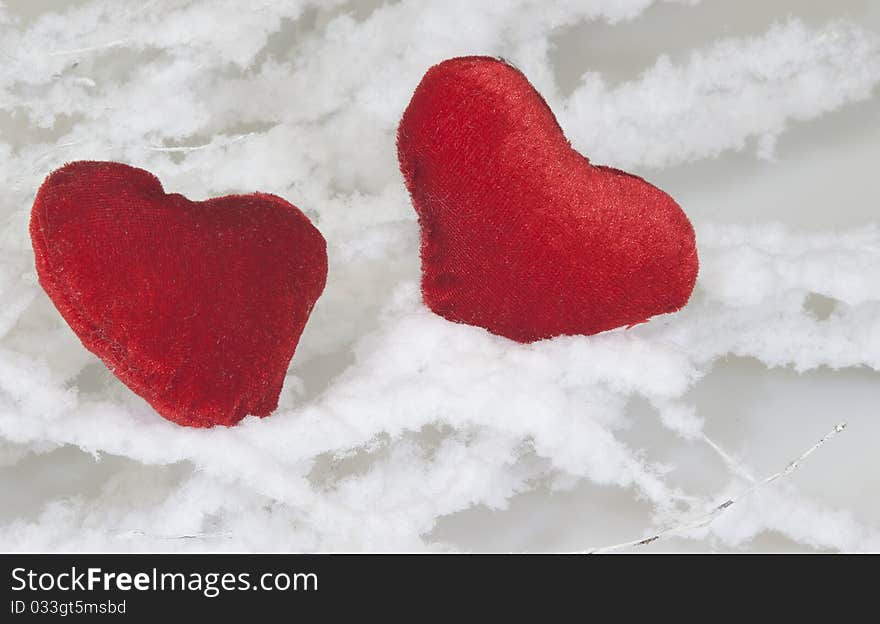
(398, 430)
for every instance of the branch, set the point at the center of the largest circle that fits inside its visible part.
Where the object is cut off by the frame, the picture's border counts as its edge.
(193, 148)
(139, 533)
(102, 46)
(709, 517)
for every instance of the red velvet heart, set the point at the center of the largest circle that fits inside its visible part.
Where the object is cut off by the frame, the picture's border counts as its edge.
(520, 233)
(197, 306)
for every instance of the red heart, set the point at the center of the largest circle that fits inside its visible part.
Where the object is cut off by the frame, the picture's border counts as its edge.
(196, 306)
(520, 233)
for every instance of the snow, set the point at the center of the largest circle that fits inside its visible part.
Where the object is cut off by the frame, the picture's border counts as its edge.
(398, 430)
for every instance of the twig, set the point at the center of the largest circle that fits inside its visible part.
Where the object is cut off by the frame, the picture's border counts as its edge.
(732, 465)
(109, 44)
(193, 148)
(139, 533)
(707, 518)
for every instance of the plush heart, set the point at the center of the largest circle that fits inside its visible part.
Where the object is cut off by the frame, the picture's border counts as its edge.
(197, 306)
(520, 233)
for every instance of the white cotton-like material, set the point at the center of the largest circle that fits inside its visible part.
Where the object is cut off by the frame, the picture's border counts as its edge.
(397, 430)
(724, 95)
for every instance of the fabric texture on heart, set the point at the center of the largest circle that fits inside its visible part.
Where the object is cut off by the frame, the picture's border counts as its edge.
(521, 234)
(197, 306)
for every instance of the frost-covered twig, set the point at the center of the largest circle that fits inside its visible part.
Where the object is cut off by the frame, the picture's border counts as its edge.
(193, 148)
(109, 44)
(707, 518)
(732, 465)
(139, 533)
